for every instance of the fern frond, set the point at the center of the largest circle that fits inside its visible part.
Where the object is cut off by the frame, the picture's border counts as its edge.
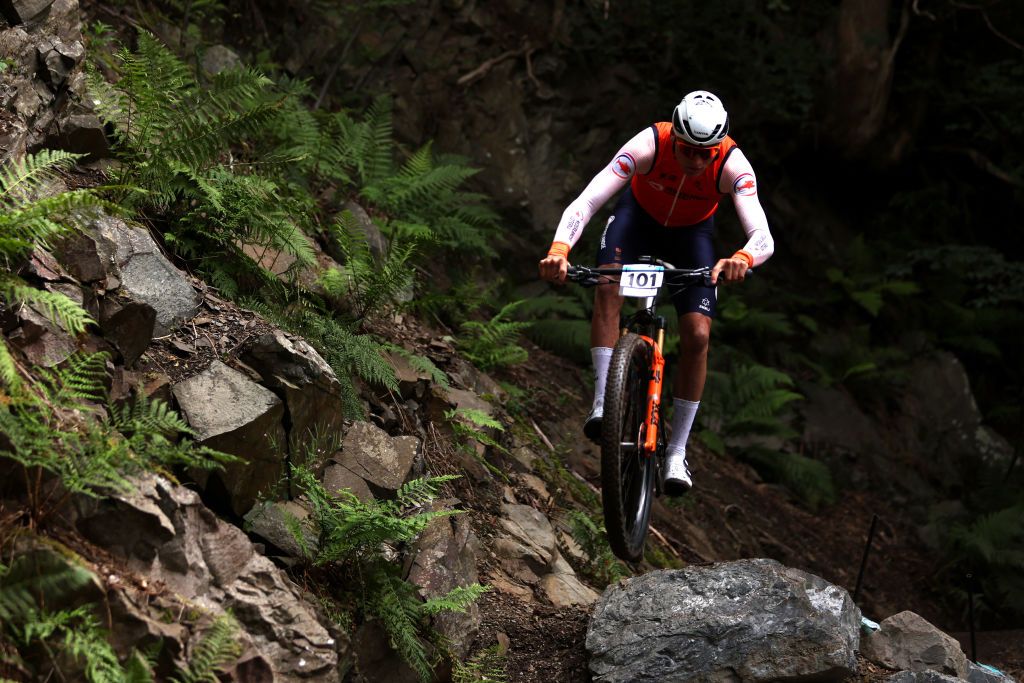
(217, 648)
(83, 377)
(8, 369)
(394, 603)
(53, 306)
(421, 491)
(477, 417)
(36, 577)
(21, 178)
(455, 600)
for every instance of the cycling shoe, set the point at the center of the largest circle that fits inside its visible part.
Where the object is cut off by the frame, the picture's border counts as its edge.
(677, 475)
(592, 427)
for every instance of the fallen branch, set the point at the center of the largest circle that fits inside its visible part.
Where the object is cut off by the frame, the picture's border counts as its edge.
(542, 436)
(482, 70)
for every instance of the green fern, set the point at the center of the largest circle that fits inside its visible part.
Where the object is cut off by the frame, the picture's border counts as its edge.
(368, 285)
(809, 479)
(394, 602)
(423, 364)
(354, 533)
(29, 220)
(217, 648)
(492, 344)
(455, 600)
(349, 528)
(602, 567)
(486, 666)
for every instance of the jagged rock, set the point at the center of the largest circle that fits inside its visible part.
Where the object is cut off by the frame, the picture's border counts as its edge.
(235, 415)
(412, 383)
(21, 11)
(562, 587)
(926, 676)
(59, 59)
(128, 325)
(381, 460)
(128, 257)
(977, 673)
(164, 532)
(480, 383)
(533, 532)
(81, 134)
(939, 392)
(376, 661)
(908, 641)
(308, 385)
(44, 80)
(218, 58)
(445, 557)
(338, 477)
(745, 621)
(285, 266)
(43, 342)
(268, 521)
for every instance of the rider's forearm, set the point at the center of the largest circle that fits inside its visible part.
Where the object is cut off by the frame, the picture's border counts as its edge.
(760, 243)
(739, 181)
(637, 153)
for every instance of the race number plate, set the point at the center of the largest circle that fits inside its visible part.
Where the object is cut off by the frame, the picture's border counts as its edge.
(641, 280)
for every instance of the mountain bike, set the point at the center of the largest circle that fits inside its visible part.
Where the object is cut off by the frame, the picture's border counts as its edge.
(632, 438)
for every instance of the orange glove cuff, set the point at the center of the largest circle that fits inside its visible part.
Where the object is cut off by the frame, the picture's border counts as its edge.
(559, 249)
(745, 256)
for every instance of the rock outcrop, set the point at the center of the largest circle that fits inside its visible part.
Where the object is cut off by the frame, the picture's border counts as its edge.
(745, 621)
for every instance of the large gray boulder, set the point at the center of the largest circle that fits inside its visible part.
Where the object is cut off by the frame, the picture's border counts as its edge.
(164, 533)
(907, 641)
(233, 414)
(145, 274)
(745, 621)
(124, 259)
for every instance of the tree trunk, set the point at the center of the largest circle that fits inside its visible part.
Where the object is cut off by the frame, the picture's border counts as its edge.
(863, 80)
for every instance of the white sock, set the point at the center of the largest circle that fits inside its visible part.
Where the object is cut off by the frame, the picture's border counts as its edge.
(602, 357)
(683, 412)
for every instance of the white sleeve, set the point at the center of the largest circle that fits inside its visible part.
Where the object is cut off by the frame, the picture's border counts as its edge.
(739, 181)
(638, 153)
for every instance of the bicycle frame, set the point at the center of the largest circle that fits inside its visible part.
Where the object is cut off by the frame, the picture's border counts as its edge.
(652, 419)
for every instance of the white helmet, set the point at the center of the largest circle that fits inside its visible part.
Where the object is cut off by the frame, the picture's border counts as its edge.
(700, 119)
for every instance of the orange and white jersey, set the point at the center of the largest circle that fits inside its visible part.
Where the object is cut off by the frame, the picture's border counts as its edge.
(672, 198)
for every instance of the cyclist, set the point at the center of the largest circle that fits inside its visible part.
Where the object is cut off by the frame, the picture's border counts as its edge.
(674, 174)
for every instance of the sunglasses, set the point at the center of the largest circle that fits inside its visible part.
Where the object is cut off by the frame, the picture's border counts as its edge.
(704, 153)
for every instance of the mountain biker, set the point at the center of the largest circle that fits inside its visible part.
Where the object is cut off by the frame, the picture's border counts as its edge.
(674, 174)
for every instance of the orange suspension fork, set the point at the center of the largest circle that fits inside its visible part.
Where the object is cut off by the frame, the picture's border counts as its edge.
(652, 422)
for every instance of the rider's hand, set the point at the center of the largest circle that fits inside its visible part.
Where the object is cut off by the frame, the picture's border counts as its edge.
(732, 269)
(553, 268)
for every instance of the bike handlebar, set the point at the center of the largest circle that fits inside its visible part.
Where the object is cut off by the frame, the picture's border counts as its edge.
(590, 277)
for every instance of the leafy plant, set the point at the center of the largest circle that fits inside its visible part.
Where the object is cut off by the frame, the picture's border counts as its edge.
(468, 424)
(217, 648)
(30, 218)
(367, 284)
(353, 533)
(492, 344)
(486, 666)
(174, 138)
(51, 428)
(603, 568)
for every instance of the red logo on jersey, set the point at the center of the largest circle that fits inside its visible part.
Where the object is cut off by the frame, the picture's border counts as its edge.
(623, 166)
(744, 185)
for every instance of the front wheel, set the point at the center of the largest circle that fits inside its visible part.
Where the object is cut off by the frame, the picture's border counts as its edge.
(627, 473)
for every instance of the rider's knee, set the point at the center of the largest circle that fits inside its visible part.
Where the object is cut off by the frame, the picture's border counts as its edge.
(695, 338)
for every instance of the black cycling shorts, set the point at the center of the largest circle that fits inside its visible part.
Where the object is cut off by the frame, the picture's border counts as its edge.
(631, 232)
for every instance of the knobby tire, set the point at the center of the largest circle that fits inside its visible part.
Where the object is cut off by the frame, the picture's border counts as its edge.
(627, 475)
